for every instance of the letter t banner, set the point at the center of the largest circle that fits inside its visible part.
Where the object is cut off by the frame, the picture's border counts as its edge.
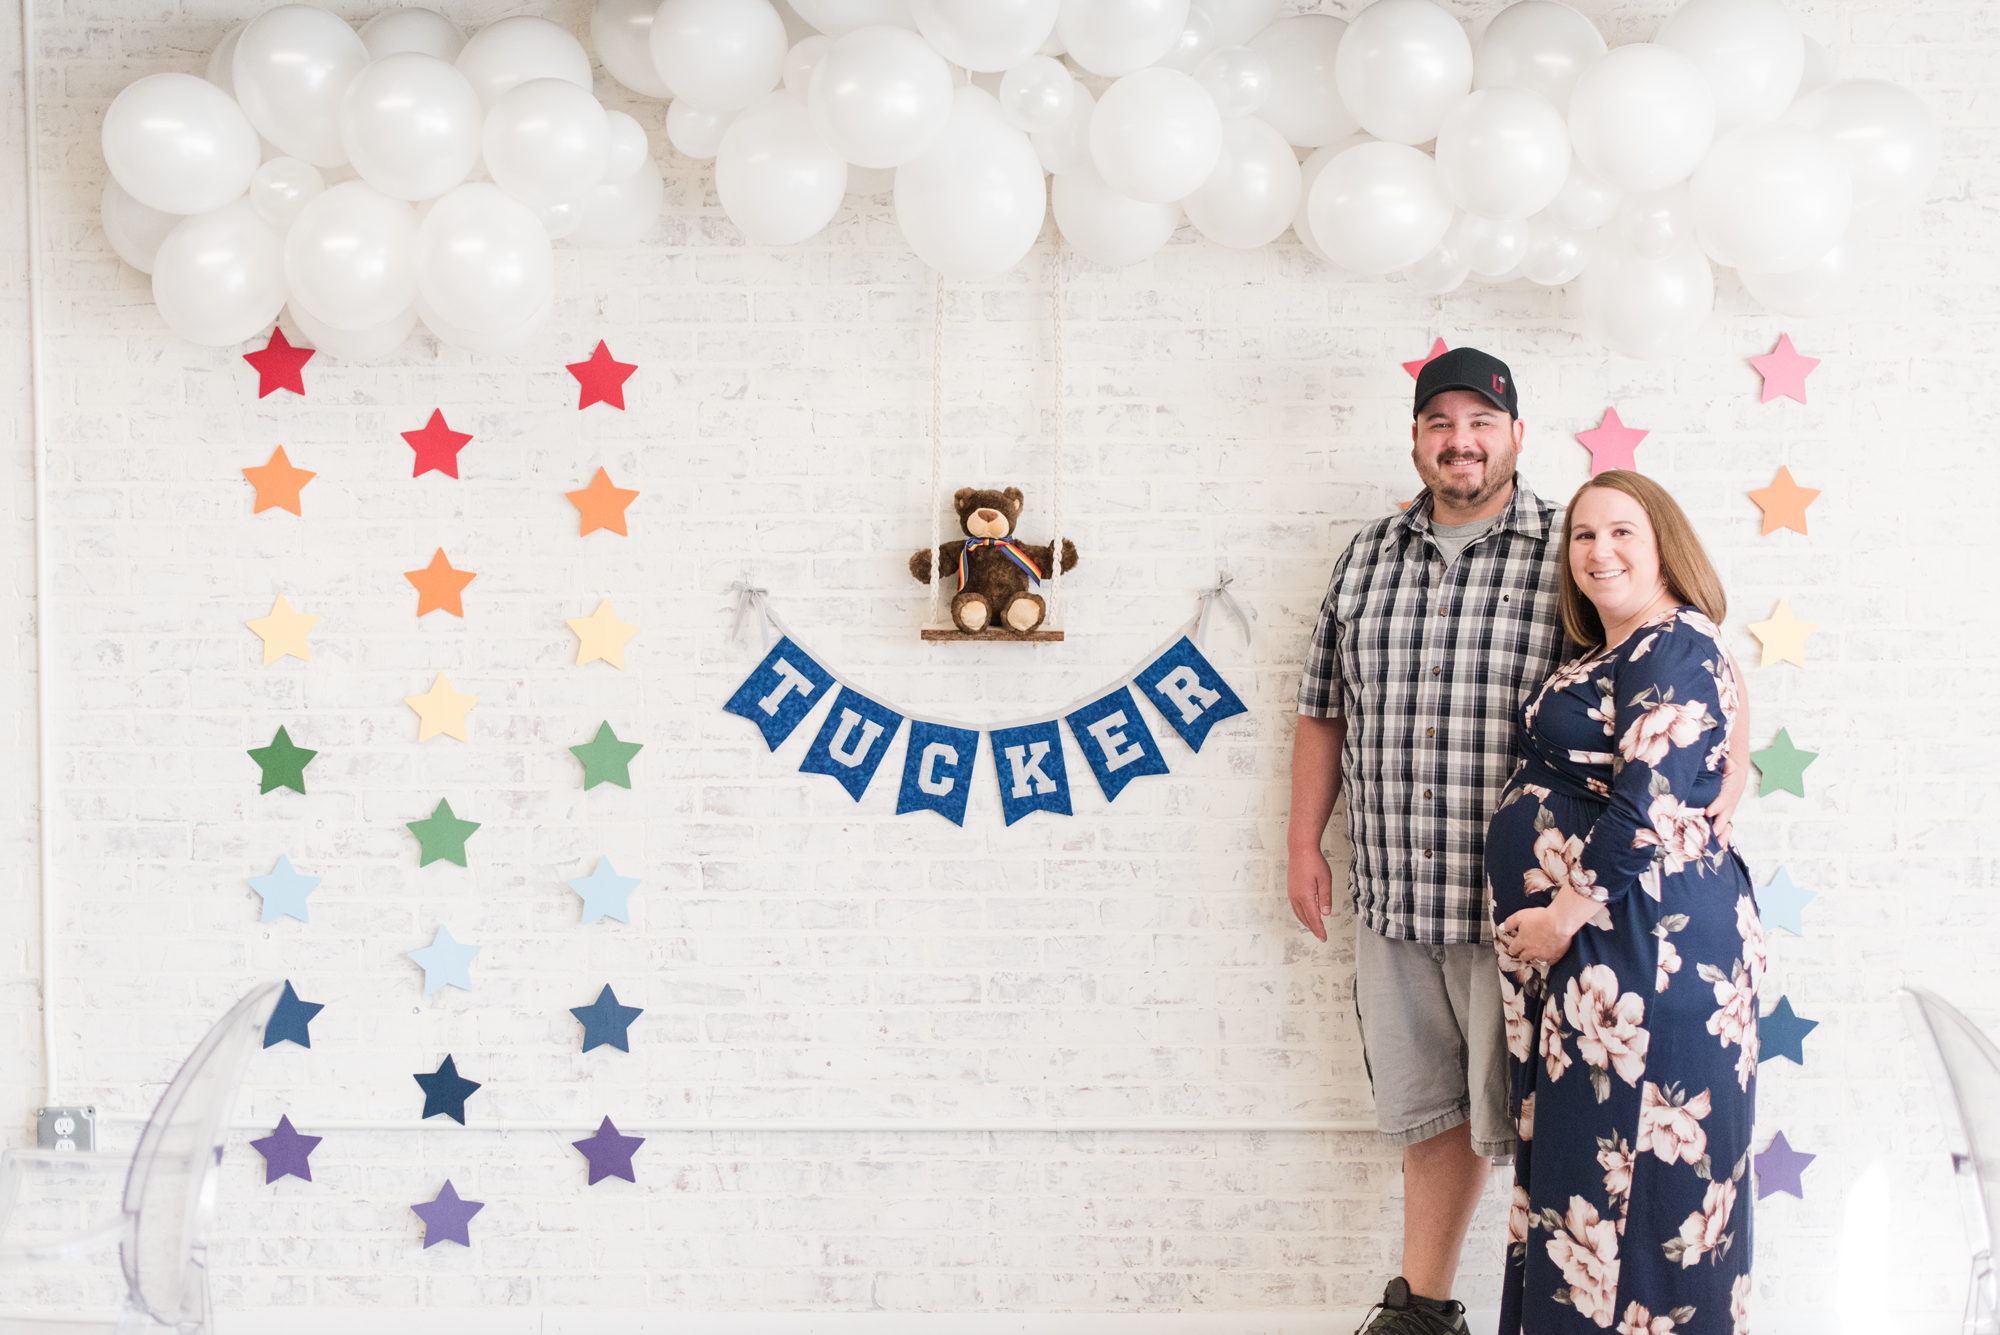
(852, 740)
(780, 692)
(1029, 761)
(1115, 741)
(1189, 693)
(937, 770)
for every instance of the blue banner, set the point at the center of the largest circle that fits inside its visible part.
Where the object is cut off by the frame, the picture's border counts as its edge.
(852, 740)
(1029, 762)
(781, 691)
(937, 770)
(1189, 693)
(1115, 741)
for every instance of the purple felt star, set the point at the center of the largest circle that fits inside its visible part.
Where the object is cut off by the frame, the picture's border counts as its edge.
(610, 1154)
(286, 1151)
(1779, 1166)
(446, 1216)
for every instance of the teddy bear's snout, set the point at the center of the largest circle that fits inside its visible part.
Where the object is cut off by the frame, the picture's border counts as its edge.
(988, 516)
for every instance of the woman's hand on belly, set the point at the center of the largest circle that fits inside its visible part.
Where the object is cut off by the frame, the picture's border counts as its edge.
(1542, 935)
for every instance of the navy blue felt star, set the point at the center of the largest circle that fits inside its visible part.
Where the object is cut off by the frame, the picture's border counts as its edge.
(1783, 1032)
(290, 1019)
(445, 1091)
(605, 1021)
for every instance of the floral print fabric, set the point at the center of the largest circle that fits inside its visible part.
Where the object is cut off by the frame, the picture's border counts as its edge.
(1634, 1057)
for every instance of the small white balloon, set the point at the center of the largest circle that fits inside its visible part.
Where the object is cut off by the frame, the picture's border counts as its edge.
(1585, 202)
(1820, 69)
(1645, 308)
(869, 182)
(1504, 153)
(1037, 94)
(220, 70)
(178, 144)
(625, 146)
(1402, 66)
(219, 277)
(800, 60)
(410, 125)
(1657, 222)
(973, 203)
(1540, 46)
(1235, 22)
(1445, 267)
(1309, 170)
(1238, 78)
(515, 50)
(1492, 245)
(1106, 226)
(1827, 286)
(134, 230)
(1556, 254)
(1304, 104)
(723, 54)
(985, 35)
(1253, 193)
(559, 220)
(695, 132)
(1192, 47)
(1642, 117)
(880, 96)
(349, 345)
(1116, 37)
(618, 213)
(350, 257)
(291, 69)
(546, 141)
(1155, 135)
(424, 31)
(1883, 132)
(1771, 198)
(282, 187)
(777, 179)
(1751, 52)
(622, 32)
(837, 18)
(1380, 207)
(1067, 146)
(483, 259)
(466, 339)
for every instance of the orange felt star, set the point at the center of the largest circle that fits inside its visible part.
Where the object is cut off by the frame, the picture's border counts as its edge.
(1438, 349)
(602, 379)
(1784, 502)
(278, 483)
(439, 586)
(278, 365)
(602, 505)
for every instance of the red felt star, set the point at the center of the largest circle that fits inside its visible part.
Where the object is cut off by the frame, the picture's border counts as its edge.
(1784, 370)
(1438, 349)
(1611, 443)
(437, 446)
(278, 364)
(603, 379)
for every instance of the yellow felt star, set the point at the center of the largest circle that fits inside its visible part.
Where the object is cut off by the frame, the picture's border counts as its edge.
(602, 635)
(1783, 636)
(440, 710)
(284, 632)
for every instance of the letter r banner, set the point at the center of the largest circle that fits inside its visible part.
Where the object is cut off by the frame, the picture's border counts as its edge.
(1189, 693)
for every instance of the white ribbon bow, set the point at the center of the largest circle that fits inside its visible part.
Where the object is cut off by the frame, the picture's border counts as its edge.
(1220, 593)
(749, 598)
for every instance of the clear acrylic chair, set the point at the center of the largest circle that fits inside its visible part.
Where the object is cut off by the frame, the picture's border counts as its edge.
(162, 1226)
(1965, 1071)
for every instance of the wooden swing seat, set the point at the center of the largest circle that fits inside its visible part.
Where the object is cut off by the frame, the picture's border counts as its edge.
(995, 634)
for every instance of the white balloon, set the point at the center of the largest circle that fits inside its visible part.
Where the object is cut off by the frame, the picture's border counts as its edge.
(622, 32)
(618, 213)
(800, 62)
(219, 277)
(350, 345)
(1238, 78)
(1379, 207)
(483, 259)
(410, 125)
(1253, 193)
(1556, 254)
(1445, 267)
(972, 204)
(1657, 222)
(1309, 171)
(1037, 94)
(1827, 286)
(1401, 68)
(837, 18)
(1504, 153)
(1645, 308)
(1751, 52)
(1820, 69)
(1538, 45)
(291, 68)
(424, 31)
(625, 146)
(1492, 245)
(546, 141)
(221, 61)
(1155, 135)
(1884, 134)
(1584, 202)
(722, 54)
(778, 181)
(988, 35)
(1499, 279)
(559, 220)
(1067, 146)
(515, 50)
(282, 187)
(1642, 117)
(1106, 226)
(1235, 22)
(694, 132)
(1771, 198)
(178, 144)
(134, 230)
(1304, 105)
(880, 96)
(868, 182)
(350, 257)
(467, 339)
(1114, 37)
(1192, 47)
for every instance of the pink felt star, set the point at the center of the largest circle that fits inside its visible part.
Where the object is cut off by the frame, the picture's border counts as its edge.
(1438, 349)
(278, 365)
(1611, 443)
(602, 378)
(1784, 371)
(437, 446)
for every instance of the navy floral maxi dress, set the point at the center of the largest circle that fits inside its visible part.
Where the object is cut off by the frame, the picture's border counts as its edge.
(1634, 1057)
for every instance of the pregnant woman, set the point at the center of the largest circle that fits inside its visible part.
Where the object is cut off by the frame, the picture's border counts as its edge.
(1630, 951)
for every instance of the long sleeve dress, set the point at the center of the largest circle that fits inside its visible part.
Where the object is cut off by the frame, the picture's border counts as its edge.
(1634, 1057)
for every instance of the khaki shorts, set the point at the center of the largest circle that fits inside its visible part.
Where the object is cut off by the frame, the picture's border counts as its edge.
(1435, 1040)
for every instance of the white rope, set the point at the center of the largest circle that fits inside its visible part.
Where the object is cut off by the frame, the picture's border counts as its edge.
(1218, 593)
(937, 456)
(750, 599)
(1054, 621)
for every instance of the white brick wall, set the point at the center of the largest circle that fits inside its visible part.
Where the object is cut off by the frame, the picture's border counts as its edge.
(799, 956)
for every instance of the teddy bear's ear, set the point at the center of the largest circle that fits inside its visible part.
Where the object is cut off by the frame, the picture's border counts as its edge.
(962, 499)
(1015, 500)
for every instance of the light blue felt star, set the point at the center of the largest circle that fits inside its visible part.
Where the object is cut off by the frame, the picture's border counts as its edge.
(1782, 902)
(604, 892)
(446, 961)
(284, 890)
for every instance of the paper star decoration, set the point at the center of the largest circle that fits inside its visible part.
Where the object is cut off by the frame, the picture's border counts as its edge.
(446, 1216)
(1784, 370)
(602, 379)
(1438, 349)
(278, 365)
(1784, 502)
(606, 759)
(1783, 636)
(1782, 765)
(442, 835)
(439, 586)
(437, 446)
(446, 961)
(1783, 1032)
(278, 483)
(445, 1091)
(1783, 903)
(601, 505)
(441, 710)
(289, 1019)
(1611, 443)
(609, 1153)
(1778, 1168)
(605, 1021)
(602, 635)
(284, 632)
(286, 1152)
(284, 891)
(283, 764)
(604, 894)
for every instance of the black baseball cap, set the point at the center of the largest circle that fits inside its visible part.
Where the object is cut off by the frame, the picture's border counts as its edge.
(1467, 368)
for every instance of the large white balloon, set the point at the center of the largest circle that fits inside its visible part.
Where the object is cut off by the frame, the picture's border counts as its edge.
(1155, 135)
(178, 144)
(1037, 94)
(987, 35)
(777, 179)
(617, 213)
(622, 32)
(350, 345)
(1304, 104)
(1401, 68)
(720, 54)
(1656, 223)
(972, 204)
(1309, 170)
(880, 96)
(1827, 286)
(515, 50)
(350, 257)
(291, 68)
(424, 31)
(483, 259)
(1540, 46)
(281, 188)
(1645, 308)
(1235, 22)
(1116, 37)
(1642, 117)
(219, 277)
(1820, 69)
(546, 141)
(625, 148)
(1771, 198)
(1106, 226)
(410, 125)
(1067, 146)
(1504, 153)
(1556, 254)
(1883, 132)
(1751, 52)
(1192, 46)
(837, 18)
(134, 230)
(695, 132)
(1253, 193)
(802, 60)
(1585, 201)
(1379, 207)
(1238, 78)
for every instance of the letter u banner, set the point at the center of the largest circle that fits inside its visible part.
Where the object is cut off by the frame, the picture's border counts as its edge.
(852, 740)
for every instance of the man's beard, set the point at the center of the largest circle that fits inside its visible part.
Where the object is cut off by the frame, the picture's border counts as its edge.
(1491, 481)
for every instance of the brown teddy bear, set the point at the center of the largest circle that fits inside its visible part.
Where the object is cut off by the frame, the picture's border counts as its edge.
(994, 570)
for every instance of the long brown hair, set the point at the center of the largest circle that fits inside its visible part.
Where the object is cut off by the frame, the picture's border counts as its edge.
(1689, 575)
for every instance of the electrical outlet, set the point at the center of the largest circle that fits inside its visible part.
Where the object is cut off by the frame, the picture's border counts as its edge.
(66, 1129)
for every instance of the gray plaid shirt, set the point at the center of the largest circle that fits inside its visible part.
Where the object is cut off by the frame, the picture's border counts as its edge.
(1429, 665)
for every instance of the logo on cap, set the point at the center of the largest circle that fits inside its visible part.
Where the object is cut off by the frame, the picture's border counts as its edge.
(1499, 385)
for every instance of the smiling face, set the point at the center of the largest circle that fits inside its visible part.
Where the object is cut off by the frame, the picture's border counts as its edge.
(1614, 555)
(1465, 452)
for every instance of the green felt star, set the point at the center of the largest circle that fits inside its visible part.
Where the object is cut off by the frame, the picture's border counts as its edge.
(606, 759)
(1782, 765)
(442, 835)
(284, 765)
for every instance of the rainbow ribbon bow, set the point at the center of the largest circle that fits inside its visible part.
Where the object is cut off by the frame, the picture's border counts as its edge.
(1009, 547)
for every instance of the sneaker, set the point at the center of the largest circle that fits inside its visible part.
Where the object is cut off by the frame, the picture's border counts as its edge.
(1403, 1313)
